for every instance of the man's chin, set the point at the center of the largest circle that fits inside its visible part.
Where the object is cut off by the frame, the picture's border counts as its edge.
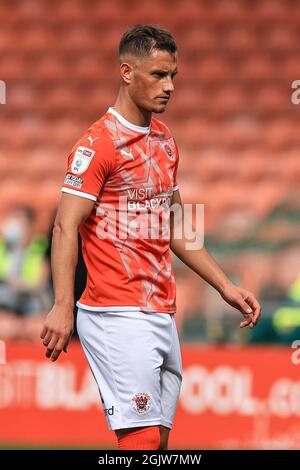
(160, 108)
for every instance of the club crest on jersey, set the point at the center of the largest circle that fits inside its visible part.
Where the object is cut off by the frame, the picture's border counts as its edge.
(82, 159)
(170, 153)
(141, 403)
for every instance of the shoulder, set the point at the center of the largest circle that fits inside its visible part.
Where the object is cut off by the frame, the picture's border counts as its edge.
(157, 125)
(96, 138)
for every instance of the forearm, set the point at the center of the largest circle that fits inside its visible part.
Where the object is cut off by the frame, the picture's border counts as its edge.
(64, 257)
(202, 263)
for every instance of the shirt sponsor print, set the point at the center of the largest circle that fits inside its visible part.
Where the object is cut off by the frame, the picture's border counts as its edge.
(74, 181)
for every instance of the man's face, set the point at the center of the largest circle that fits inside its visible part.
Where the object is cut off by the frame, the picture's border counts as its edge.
(150, 80)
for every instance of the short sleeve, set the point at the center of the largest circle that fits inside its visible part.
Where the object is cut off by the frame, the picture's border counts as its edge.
(90, 162)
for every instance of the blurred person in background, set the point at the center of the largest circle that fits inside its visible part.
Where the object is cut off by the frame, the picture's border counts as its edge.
(24, 298)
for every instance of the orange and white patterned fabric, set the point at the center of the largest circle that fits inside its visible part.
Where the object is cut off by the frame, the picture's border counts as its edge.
(130, 173)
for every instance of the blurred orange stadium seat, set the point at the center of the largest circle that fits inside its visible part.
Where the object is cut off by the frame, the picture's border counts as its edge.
(67, 13)
(51, 69)
(37, 38)
(78, 38)
(256, 67)
(272, 11)
(240, 39)
(281, 37)
(199, 40)
(214, 68)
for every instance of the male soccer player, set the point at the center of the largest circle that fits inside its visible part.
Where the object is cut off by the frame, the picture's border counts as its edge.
(118, 189)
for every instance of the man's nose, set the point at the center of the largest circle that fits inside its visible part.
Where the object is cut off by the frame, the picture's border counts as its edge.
(168, 85)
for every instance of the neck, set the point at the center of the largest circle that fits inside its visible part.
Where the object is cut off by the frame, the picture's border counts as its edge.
(129, 110)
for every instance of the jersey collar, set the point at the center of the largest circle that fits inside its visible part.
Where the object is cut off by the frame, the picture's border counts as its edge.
(126, 123)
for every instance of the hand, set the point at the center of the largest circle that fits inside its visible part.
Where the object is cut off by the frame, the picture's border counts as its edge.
(57, 331)
(244, 301)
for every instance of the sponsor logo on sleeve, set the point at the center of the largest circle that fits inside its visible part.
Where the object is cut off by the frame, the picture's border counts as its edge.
(73, 181)
(82, 159)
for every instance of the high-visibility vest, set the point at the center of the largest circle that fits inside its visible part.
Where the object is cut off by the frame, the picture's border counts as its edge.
(32, 262)
(294, 290)
(286, 318)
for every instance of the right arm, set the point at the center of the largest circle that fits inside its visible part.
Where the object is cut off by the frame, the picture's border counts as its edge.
(58, 325)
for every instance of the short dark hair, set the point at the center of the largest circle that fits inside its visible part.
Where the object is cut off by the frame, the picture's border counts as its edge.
(141, 40)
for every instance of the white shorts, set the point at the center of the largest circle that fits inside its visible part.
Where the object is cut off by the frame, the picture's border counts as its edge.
(136, 361)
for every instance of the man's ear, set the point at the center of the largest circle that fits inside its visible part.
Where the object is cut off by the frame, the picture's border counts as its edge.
(126, 71)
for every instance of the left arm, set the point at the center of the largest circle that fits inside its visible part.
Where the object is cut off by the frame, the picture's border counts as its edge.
(206, 267)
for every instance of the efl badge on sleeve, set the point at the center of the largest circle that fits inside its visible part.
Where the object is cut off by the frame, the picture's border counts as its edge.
(81, 160)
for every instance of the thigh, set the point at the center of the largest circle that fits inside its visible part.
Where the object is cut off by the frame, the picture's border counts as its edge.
(171, 379)
(125, 361)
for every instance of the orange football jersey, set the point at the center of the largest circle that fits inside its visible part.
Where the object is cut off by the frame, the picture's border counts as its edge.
(130, 173)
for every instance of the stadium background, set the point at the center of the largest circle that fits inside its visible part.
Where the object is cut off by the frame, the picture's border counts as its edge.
(239, 140)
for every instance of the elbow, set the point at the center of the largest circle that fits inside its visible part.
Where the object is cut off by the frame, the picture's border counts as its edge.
(57, 230)
(58, 225)
(61, 229)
